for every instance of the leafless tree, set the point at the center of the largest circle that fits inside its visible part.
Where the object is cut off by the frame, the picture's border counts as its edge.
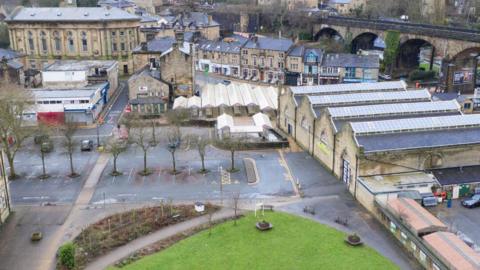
(174, 137)
(139, 137)
(14, 102)
(177, 117)
(69, 144)
(115, 148)
(236, 200)
(232, 144)
(153, 142)
(201, 143)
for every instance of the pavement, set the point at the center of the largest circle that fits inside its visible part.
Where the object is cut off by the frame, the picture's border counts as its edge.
(121, 252)
(460, 219)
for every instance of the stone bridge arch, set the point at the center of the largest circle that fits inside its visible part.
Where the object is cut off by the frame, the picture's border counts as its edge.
(329, 32)
(364, 41)
(408, 56)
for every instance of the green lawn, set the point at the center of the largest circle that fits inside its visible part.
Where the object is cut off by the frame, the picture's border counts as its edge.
(293, 243)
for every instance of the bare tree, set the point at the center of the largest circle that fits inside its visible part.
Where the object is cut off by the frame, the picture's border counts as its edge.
(174, 139)
(201, 143)
(236, 199)
(232, 144)
(69, 144)
(14, 102)
(115, 148)
(130, 120)
(153, 141)
(140, 138)
(177, 117)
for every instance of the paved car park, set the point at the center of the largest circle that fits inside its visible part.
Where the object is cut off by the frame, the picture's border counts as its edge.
(459, 218)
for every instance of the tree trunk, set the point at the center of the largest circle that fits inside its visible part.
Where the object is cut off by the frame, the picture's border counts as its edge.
(43, 164)
(114, 164)
(145, 162)
(72, 170)
(13, 175)
(202, 157)
(233, 160)
(173, 162)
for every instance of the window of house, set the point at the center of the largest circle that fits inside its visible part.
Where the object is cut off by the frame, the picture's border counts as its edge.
(393, 227)
(84, 42)
(467, 106)
(314, 70)
(280, 64)
(43, 39)
(31, 44)
(422, 256)
(33, 64)
(114, 33)
(71, 45)
(270, 61)
(114, 46)
(262, 61)
(122, 46)
(57, 42)
(254, 60)
(403, 238)
(245, 51)
(311, 58)
(350, 72)
(122, 33)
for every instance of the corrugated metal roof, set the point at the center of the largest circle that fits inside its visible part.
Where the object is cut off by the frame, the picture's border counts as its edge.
(349, 87)
(369, 97)
(59, 14)
(416, 124)
(393, 109)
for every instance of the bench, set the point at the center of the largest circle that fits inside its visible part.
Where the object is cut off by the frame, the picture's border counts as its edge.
(267, 207)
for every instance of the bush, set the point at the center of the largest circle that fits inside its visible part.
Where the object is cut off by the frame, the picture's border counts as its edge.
(418, 75)
(67, 255)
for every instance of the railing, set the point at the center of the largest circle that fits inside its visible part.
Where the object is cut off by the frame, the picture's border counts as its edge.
(406, 27)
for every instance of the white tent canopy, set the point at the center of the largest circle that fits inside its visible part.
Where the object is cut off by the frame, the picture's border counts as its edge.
(262, 120)
(235, 94)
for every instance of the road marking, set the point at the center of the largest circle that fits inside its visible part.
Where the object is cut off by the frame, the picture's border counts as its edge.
(36, 198)
(130, 176)
(127, 195)
(113, 180)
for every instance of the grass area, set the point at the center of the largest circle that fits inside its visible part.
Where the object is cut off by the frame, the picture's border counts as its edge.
(293, 243)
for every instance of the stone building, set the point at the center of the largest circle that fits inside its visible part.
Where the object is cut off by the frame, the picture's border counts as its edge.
(220, 56)
(349, 68)
(4, 192)
(289, 4)
(49, 34)
(11, 66)
(402, 146)
(148, 94)
(263, 59)
(303, 65)
(291, 97)
(311, 108)
(345, 7)
(167, 25)
(172, 58)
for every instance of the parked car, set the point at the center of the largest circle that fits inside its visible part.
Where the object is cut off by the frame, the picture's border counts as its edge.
(226, 82)
(429, 201)
(472, 202)
(38, 139)
(46, 146)
(86, 145)
(385, 77)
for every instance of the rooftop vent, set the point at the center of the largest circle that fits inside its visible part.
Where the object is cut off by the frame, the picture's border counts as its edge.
(59, 14)
(85, 14)
(32, 14)
(107, 14)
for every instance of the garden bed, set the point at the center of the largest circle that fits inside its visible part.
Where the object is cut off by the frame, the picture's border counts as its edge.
(117, 230)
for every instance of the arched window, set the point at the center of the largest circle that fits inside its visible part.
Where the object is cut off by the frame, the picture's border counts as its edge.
(43, 39)
(31, 45)
(57, 41)
(71, 44)
(84, 42)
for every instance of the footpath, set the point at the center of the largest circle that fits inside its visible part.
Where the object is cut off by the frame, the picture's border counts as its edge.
(137, 244)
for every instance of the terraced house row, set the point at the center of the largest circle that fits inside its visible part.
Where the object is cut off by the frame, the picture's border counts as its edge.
(279, 60)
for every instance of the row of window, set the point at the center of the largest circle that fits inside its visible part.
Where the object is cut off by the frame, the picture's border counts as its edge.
(57, 41)
(82, 101)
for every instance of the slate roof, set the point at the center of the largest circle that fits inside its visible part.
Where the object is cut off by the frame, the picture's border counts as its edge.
(9, 54)
(458, 175)
(350, 87)
(268, 43)
(68, 14)
(418, 140)
(297, 51)
(351, 60)
(162, 44)
(193, 19)
(116, 3)
(231, 44)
